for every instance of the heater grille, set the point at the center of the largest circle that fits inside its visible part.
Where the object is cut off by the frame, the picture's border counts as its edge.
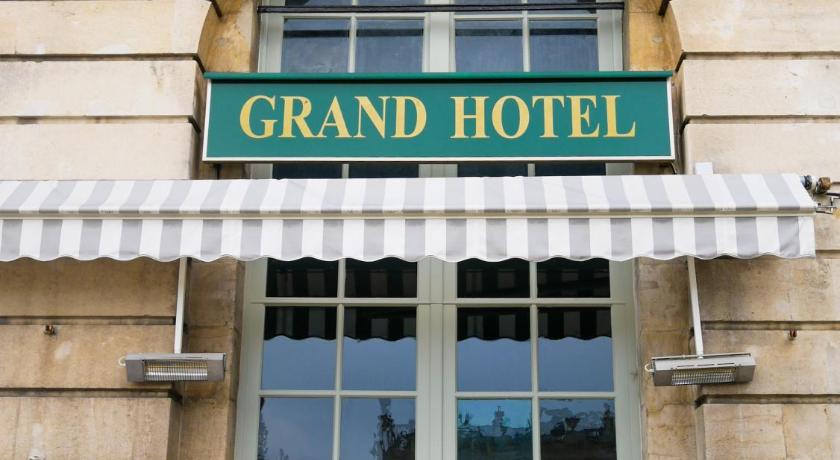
(702, 370)
(174, 367)
(172, 370)
(703, 376)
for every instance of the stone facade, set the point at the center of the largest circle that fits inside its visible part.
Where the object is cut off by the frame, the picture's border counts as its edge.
(113, 90)
(108, 89)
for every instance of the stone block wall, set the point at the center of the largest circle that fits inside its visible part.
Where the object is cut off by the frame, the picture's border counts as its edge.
(756, 91)
(112, 89)
(109, 89)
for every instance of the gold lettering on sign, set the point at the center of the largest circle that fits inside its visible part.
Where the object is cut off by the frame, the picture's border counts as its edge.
(419, 122)
(376, 118)
(461, 117)
(548, 113)
(498, 122)
(612, 122)
(335, 119)
(245, 118)
(299, 119)
(580, 115)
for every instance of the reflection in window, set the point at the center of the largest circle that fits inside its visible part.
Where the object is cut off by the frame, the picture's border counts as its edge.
(494, 429)
(380, 348)
(570, 169)
(563, 46)
(589, 11)
(295, 428)
(488, 46)
(382, 278)
(508, 278)
(583, 428)
(383, 170)
(575, 349)
(318, 2)
(315, 45)
(493, 351)
(377, 429)
(299, 348)
(389, 46)
(570, 278)
(305, 277)
(492, 169)
(307, 171)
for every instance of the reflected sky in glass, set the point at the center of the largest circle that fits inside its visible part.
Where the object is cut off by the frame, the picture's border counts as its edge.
(299, 348)
(493, 353)
(488, 46)
(380, 349)
(389, 45)
(572, 364)
(575, 349)
(315, 45)
(295, 429)
(563, 46)
(377, 429)
(577, 429)
(495, 429)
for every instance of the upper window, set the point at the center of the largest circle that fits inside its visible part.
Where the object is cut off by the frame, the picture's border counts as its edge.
(524, 41)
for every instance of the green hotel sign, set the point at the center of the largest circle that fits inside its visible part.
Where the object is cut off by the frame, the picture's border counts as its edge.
(439, 117)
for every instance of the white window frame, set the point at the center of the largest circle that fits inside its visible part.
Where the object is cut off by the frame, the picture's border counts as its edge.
(436, 301)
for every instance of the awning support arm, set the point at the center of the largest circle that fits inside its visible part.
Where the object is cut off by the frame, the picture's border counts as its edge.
(180, 300)
(695, 308)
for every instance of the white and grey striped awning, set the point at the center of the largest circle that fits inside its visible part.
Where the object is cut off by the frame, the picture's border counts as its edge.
(533, 218)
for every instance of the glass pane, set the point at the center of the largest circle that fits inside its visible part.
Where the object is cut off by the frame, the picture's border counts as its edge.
(315, 45)
(380, 348)
(494, 429)
(570, 278)
(317, 2)
(564, 46)
(295, 428)
(488, 46)
(582, 2)
(377, 429)
(382, 278)
(508, 278)
(482, 2)
(299, 348)
(307, 171)
(575, 349)
(583, 428)
(492, 169)
(570, 169)
(389, 2)
(494, 352)
(383, 170)
(305, 277)
(389, 46)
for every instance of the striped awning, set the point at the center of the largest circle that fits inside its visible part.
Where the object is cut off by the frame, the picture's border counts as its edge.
(452, 219)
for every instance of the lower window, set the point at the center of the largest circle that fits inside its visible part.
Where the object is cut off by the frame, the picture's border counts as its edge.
(354, 395)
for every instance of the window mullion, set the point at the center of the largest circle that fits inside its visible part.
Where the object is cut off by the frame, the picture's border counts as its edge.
(339, 336)
(535, 384)
(526, 43)
(351, 57)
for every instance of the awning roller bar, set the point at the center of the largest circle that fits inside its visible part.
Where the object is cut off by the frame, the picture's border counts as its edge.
(452, 219)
